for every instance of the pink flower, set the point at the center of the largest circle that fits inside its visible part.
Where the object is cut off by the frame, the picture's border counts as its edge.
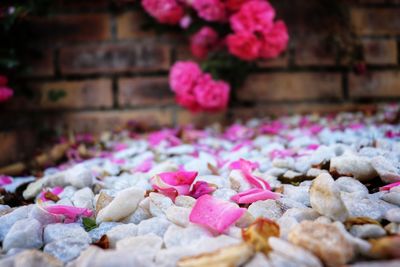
(55, 191)
(168, 135)
(215, 214)
(184, 76)
(71, 214)
(5, 180)
(275, 41)
(202, 42)
(173, 184)
(244, 45)
(238, 132)
(210, 10)
(202, 188)
(145, 166)
(253, 195)
(120, 146)
(389, 186)
(165, 11)
(253, 16)
(212, 95)
(5, 92)
(234, 5)
(247, 167)
(273, 128)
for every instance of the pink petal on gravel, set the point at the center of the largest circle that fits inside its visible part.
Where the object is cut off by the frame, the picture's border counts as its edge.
(71, 213)
(5, 180)
(247, 167)
(215, 214)
(202, 188)
(172, 184)
(56, 191)
(389, 186)
(145, 166)
(253, 195)
(243, 164)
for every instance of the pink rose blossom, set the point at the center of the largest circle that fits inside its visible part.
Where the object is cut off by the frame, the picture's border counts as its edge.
(234, 5)
(71, 214)
(173, 184)
(165, 11)
(212, 95)
(253, 16)
(274, 41)
(244, 45)
(184, 76)
(210, 10)
(253, 195)
(204, 41)
(215, 214)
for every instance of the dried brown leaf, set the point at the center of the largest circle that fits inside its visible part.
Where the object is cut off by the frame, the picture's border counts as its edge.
(258, 233)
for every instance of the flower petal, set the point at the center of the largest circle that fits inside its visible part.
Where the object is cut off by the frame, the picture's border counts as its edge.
(71, 213)
(5, 180)
(389, 186)
(202, 188)
(218, 215)
(253, 195)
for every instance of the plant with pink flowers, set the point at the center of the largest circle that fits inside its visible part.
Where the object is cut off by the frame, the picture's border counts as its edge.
(229, 36)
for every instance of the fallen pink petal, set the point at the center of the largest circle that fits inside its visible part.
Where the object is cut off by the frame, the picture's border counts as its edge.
(70, 213)
(215, 214)
(173, 184)
(202, 188)
(55, 191)
(253, 195)
(389, 186)
(5, 180)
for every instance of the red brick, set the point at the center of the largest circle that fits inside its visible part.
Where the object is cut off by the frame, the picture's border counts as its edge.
(71, 28)
(376, 84)
(16, 145)
(39, 62)
(78, 95)
(74, 5)
(145, 91)
(129, 25)
(291, 86)
(113, 58)
(277, 109)
(314, 50)
(376, 21)
(184, 117)
(380, 52)
(98, 121)
(281, 61)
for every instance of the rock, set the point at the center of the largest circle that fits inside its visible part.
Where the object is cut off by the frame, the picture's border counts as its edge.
(83, 198)
(367, 231)
(259, 260)
(170, 257)
(102, 200)
(351, 185)
(34, 188)
(25, 233)
(139, 215)
(325, 198)
(365, 207)
(392, 197)
(302, 214)
(224, 193)
(278, 260)
(159, 204)
(294, 253)
(178, 215)
(177, 236)
(393, 215)
(314, 172)
(149, 243)
(393, 228)
(297, 193)
(65, 249)
(286, 224)
(386, 170)
(121, 232)
(324, 240)
(43, 216)
(288, 203)
(155, 225)
(34, 258)
(123, 205)
(270, 209)
(354, 166)
(238, 182)
(8, 220)
(58, 231)
(389, 263)
(292, 176)
(185, 201)
(101, 230)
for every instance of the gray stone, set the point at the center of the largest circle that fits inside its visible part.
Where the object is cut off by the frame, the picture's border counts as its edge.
(65, 249)
(367, 231)
(302, 214)
(103, 228)
(120, 232)
(170, 257)
(43, 216)
(392, 197)
(386, 170)
(58, 231)
(177, 236)
(8, 220)
(393, 215)
(351, 185)
(156, 225)
(259, 260)
(25, 233)
(355, 166)
(270, 209)
(31, 258)
(297, 193)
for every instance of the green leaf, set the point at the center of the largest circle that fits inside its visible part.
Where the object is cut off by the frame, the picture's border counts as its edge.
(89, 224)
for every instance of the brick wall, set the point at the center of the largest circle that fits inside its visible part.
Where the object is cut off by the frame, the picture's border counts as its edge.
(92, 68)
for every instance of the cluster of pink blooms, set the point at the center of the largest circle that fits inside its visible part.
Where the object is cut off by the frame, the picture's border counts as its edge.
(254, 34)
(5, 92)
(196, 90)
